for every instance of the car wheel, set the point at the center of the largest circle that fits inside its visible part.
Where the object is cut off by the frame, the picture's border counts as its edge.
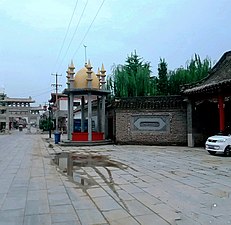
(212, 152)
(227, 151)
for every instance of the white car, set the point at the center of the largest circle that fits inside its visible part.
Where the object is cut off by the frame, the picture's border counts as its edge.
(219, 143)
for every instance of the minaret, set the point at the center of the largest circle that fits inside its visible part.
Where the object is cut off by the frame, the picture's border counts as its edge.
(103, 75)
(68, 78)
(71, 69)
(89, 72)
(99, 77)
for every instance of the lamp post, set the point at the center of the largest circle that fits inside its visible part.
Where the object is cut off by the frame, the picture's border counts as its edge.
(49, 119)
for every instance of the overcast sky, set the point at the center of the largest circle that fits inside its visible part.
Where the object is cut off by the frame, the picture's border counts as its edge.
(33, 33)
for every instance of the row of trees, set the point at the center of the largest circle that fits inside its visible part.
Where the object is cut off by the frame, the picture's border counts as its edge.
(135, 78)
(131, 79)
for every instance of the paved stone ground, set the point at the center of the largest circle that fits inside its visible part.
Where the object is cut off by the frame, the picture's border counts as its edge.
(147, 185)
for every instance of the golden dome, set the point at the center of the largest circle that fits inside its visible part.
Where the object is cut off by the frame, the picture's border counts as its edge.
(81, 79)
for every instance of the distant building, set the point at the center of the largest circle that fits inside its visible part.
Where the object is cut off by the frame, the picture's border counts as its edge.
(17, 111)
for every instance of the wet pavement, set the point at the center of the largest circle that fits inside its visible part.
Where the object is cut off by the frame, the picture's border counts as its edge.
(44, 183)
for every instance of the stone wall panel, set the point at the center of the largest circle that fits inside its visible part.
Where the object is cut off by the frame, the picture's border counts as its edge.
(151, 127)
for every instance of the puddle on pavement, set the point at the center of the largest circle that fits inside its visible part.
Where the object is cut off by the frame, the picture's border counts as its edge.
(88, 169)
(76, 164)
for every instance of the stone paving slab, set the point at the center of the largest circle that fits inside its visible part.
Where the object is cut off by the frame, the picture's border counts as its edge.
(145, 185)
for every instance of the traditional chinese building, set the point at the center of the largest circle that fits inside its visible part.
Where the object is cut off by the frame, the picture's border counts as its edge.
(17, 111)
(209, 103)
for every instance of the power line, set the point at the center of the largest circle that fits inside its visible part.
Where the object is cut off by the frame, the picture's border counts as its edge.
(67, 32)
(45, 92)
(31, 92)
(72, 38)
(89, 28)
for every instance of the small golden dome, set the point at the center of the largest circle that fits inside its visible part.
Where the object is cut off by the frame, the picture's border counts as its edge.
(81, 79)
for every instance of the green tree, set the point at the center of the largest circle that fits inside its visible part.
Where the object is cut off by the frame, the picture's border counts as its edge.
(45, 124)
(131, 79)
(194, 71)
(162, 85)
(153, 86)
(134, 77)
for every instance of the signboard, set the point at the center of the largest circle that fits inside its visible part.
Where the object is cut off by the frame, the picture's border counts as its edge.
(151, 123)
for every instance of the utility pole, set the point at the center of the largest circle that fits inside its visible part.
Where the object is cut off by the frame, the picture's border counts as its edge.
(56, 99)
(49, 119)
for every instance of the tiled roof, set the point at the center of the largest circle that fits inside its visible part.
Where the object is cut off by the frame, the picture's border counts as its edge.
(154, 102)
(23, 100)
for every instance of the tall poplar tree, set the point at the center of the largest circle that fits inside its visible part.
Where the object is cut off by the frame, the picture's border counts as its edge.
(162, 85)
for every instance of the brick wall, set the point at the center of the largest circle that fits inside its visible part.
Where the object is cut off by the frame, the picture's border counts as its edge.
(174, 131)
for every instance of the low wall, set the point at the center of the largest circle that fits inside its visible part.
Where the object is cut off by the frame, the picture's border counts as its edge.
(154, 124)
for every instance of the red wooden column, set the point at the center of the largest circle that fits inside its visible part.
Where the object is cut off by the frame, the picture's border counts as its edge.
(221, 112)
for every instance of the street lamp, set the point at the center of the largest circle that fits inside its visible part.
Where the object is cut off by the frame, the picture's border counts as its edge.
(49, 119)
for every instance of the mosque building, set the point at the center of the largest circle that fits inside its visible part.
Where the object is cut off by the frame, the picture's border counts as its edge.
(88, 86)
